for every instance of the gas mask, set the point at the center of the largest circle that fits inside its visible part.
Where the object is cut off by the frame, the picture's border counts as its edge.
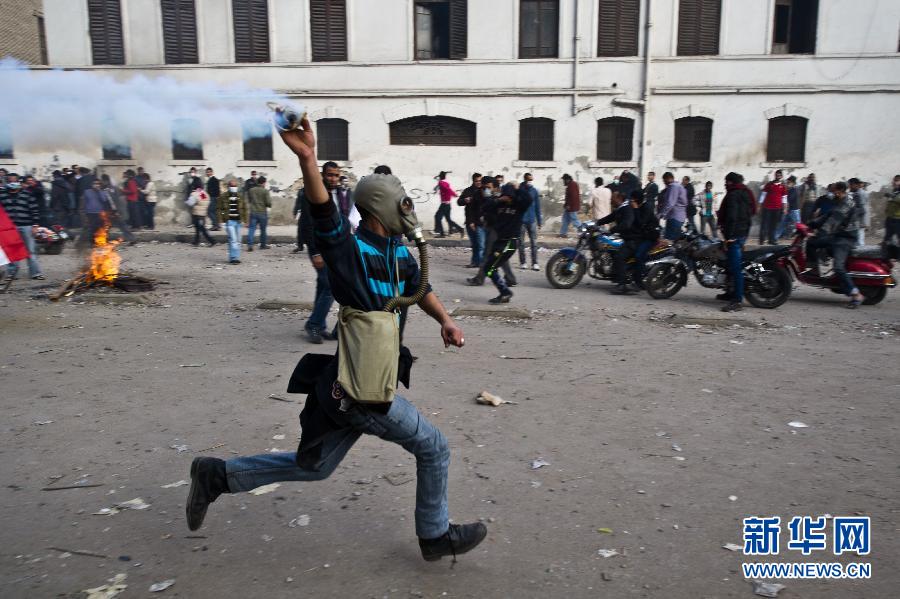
(383, 197)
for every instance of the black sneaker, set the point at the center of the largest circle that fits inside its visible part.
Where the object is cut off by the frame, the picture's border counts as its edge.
(724, 297)
(732, 307)
(330, 335)
(208, 481)
(249, 248)
(263, 247)
(315, 335)
(235, 261)
(474, 282)
(620, 290)
(458, 539)
(297, 250)
(501, 299)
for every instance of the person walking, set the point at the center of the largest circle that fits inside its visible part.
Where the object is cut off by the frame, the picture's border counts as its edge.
(59, 199)
(691, 210)
(601, 200)
(25, 213)
(251, 182)
(150, 197)
(446, 192)
(118, 209)
(199, 205)
(792, 216)
(260, 202)
(672, 207)
(96, 208)
(861, 199)
(506, 206)
(316, 326)
(130, 191)
(213, 190)
(571, 206)
(141, 178)
(532, 221)
(807, 194)
(471, 200)
(774, 203)
(892, 214)
(651, 191)
(735, 216)
(707, 202)
(233, 211)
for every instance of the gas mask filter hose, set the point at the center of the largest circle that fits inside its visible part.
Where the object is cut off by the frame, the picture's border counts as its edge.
(404, 302)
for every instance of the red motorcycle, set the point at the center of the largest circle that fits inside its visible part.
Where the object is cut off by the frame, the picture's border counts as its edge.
(868, 266)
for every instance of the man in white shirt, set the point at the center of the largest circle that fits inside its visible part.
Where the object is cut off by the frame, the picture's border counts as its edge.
(601, 200)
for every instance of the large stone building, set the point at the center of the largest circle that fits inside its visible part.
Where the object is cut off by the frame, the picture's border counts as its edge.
(22, 31)
(588, 87)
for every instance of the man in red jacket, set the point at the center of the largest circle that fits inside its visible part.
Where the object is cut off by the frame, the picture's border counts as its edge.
(572, 206)
(774, 202)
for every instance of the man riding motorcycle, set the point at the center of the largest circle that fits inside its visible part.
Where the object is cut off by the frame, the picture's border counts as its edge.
(837, 232)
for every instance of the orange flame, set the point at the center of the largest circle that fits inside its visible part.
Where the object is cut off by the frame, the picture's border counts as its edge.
(105, 258)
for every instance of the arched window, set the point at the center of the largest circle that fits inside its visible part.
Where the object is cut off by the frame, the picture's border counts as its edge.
(432, 131)
(331, 137)
(536, 139)
(615, 139)
(693, 137)
(787, 139)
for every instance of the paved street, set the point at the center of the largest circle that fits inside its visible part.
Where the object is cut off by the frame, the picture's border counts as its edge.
(660, 436)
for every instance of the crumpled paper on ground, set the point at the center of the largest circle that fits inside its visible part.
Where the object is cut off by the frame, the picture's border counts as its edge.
(132, 504)
(766, 589)
(489, 399)
(161, 586)
(108, 591)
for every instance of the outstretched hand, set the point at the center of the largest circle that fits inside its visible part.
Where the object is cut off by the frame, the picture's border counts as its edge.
(452, 334)
(301, 141)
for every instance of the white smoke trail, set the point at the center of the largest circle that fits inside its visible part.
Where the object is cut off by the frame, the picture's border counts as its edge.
(49, 110)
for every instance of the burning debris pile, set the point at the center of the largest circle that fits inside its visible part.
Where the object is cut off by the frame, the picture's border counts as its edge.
(103, 269)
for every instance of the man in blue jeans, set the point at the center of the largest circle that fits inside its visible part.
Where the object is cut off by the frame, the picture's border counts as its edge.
(367, 269)
(734, 220)
(672, 207)
(25, 213)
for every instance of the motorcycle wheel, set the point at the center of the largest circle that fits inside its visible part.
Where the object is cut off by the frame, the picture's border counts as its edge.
(775, 293)
(561, 275)
(872, 295)
(664, 280)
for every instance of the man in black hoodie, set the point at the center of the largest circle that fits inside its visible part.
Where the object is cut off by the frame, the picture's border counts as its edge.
(505, 209)
(734, 219)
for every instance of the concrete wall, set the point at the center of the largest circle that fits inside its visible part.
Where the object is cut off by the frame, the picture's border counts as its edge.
(845, 90)
(19, 31)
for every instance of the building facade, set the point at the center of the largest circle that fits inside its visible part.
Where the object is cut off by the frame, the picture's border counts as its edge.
(586, 87)
(22, 31)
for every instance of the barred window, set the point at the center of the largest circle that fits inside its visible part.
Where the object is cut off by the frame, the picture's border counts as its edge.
(693, 137)
(114, 141)
(331, 139)
(615, 139)
(787, 139)
(536, 139)
(187, 140)
(105, 28)
(257, 140)
(433, 131)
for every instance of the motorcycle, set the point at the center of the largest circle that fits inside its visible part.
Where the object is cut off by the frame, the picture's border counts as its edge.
(767, 283)
(567, 267)
(50, 240)
(868, 266)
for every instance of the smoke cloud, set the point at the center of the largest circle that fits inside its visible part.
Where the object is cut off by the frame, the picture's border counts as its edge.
(50, 110)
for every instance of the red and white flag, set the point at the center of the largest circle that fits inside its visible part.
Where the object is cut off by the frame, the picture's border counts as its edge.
(12, 248)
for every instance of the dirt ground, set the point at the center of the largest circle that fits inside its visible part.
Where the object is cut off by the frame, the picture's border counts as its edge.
(608, 389)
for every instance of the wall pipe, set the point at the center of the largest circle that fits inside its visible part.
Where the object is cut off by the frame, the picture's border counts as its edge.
(645, 96)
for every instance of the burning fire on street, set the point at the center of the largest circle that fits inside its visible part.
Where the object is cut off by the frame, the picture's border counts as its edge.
(102, 268)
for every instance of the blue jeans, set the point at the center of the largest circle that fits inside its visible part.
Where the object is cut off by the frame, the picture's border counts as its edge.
(735, 268)
(233, 228)
(569, 217)
(34, 269)
(323, 302)
(673, 229)
(788, 223)
(213, 212)
(529, 229)
(263, 221)
(476, 240)
(402, 424)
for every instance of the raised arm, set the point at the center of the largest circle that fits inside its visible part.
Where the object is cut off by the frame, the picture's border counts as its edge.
(302, 142)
